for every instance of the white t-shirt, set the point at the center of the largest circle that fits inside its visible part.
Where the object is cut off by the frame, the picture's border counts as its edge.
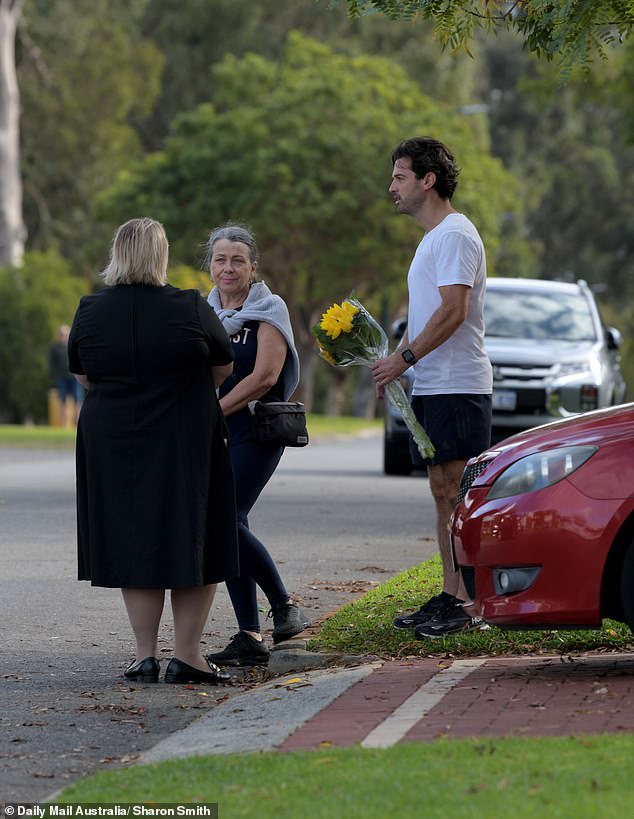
(451, 253)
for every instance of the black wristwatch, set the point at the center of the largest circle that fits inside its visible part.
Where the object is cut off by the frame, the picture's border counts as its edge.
(408, 356)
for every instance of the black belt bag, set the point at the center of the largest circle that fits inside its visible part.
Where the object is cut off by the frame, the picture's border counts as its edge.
(279, 423)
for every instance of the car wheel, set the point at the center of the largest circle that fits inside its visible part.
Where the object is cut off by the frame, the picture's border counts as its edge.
(627, 586)
(396, 460)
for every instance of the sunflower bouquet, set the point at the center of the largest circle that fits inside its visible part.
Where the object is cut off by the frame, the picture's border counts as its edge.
(347, 334)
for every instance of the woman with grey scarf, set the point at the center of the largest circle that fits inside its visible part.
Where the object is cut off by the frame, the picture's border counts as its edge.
(266, 368)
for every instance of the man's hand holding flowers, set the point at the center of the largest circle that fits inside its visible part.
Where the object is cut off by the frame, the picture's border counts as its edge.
(388, 369)
(348, 334)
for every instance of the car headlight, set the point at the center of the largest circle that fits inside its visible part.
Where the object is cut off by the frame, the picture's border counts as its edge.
(540, 470)
(573, 368)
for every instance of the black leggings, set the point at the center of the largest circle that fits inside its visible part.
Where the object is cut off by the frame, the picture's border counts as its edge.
(253, 466)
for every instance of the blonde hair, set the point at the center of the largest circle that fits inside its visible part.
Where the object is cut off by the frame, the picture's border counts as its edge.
(139, 254)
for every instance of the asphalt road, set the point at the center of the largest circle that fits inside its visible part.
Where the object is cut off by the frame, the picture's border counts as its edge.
(335, 524)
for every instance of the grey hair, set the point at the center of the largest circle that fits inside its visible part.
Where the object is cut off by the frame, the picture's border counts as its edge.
(139, 254)
(233, 233)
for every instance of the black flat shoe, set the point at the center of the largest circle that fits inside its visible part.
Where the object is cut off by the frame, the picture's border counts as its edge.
(146, 671)
(179, 672)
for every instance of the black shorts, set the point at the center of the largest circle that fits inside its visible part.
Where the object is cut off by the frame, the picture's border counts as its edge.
(459, 426)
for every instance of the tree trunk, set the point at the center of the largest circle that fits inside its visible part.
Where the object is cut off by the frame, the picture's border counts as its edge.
(364, 403)
(11, 224)
(336, 392)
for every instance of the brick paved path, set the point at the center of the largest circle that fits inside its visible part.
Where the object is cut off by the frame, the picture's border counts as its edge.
(410, 700)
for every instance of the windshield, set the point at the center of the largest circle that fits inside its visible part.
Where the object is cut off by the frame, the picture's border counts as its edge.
(538, 315)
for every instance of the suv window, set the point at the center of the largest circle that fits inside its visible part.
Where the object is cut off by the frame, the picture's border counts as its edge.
(516, 314)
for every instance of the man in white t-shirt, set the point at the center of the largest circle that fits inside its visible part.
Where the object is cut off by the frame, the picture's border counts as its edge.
(444, 342)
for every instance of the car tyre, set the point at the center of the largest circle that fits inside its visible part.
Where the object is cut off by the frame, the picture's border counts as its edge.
(396, 460)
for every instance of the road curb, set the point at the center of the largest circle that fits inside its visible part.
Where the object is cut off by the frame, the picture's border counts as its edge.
(295, 656)
(260, 719)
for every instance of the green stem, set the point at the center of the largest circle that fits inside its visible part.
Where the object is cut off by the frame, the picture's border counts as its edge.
(397, 395)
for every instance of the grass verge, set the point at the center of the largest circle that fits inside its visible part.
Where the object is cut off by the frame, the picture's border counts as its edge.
(562, 776)
(326, 425)
(32, 437)
(364, 626)
(44, 437)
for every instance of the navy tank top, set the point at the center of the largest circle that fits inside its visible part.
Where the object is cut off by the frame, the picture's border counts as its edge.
(245, 347)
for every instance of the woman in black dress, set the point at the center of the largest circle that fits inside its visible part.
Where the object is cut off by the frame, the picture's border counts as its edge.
(155, 499)
(266, 368)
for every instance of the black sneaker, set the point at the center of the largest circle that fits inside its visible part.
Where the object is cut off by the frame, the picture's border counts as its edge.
(242, 650)
(424, 613)
(450, 619)
(288, 621)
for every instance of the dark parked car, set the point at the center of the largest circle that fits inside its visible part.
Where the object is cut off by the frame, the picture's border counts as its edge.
(543, 532)
(396, 457)
(552, 356)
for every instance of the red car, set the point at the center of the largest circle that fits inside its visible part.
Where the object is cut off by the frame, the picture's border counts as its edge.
(543, 532)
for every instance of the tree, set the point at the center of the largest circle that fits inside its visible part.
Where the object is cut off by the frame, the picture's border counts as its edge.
(86, 74)
(569, 146)
(34, 300)
(11, 226)
(300, 149)
(195, 34)
(571, 30)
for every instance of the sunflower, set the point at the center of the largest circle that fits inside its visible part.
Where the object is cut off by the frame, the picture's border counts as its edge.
(327, 357)
(338, 319)
(347, 334)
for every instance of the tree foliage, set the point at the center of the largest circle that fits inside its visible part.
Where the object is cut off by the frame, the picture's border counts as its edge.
(193, 35)
(34, 300)
(570, 147)
(85, 75)
(573, 31)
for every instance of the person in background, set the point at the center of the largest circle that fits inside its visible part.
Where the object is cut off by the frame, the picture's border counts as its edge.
(444, 342)
(65, 383)
(267, 369)
(155, 498)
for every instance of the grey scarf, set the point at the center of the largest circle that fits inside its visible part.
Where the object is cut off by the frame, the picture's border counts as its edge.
(262, 305)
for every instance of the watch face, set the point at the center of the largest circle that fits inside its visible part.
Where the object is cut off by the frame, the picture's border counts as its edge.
(408, 356)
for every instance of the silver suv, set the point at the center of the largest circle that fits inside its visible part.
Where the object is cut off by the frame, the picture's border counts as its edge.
(551, 354)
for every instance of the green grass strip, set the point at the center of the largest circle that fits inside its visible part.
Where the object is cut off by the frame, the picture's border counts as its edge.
(35, 437)
(364, 626)
(345, 425)
(45, 437)
(564, 776)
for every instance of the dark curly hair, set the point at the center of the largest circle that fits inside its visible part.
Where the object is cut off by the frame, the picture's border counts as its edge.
(430, 155)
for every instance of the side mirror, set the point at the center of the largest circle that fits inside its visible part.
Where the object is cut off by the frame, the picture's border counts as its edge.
(398, 329)
(613, 338)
